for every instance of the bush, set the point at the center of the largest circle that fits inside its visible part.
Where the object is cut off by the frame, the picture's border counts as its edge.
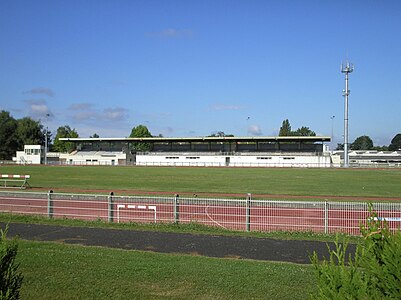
(374, 272)
(381, 259)
(10, 277)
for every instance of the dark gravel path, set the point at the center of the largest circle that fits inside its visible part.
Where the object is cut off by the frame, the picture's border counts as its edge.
(193, 244)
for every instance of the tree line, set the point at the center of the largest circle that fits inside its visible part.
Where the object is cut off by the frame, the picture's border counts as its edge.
(15, 133)
(364, 142)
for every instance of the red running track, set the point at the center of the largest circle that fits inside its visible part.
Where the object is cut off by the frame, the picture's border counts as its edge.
(225, 214)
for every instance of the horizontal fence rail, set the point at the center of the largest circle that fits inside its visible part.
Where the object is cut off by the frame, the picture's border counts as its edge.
(234, 214)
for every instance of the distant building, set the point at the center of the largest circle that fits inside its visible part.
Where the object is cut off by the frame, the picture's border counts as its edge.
(368, 158)
(32, 154)
(298, 152)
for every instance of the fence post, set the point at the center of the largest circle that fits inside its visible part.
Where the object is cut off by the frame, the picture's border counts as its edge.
(326, 217)
(248, 212)
(110, 209)
(176, 209)
(49, 204)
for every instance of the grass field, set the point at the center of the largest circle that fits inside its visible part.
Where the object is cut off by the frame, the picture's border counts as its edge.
(56, 271)
(321, 183)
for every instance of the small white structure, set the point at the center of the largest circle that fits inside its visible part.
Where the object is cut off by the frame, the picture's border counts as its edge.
(32, 154)
(110, 158)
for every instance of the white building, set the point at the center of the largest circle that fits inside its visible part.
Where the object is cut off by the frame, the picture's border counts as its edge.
(368, 158)
(32, 154)
(110, 158)
(298, 152)
(202, 151)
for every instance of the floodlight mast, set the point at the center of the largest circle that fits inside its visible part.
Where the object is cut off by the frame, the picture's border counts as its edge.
(347, 68)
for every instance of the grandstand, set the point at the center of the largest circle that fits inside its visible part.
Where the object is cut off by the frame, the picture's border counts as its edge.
(209, 151)
(291, 151)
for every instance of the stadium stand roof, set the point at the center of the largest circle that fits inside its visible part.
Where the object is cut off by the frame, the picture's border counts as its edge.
(285, 139)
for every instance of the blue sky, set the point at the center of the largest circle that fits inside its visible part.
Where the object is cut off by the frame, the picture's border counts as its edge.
(192, 68)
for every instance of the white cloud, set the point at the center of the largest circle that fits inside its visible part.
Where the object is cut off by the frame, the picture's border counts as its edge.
(38, 109)
(114, 114)
(255, 130)
(87, 113)
(41, 91)
(83, 112)
(85, 116)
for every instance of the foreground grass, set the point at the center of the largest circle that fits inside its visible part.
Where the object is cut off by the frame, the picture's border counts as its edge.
(192, 228)
(57, 271)
(279, 181)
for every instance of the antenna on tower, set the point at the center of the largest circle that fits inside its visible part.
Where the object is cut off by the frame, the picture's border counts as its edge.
(346, 69)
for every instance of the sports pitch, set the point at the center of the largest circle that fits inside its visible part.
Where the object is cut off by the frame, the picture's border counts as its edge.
(358, 184)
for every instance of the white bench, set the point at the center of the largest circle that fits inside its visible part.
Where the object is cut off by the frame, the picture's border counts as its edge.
(22, 181)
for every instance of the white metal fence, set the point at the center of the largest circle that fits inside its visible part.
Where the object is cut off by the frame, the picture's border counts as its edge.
(234, 214)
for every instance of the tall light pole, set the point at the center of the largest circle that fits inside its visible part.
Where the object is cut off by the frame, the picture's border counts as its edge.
(347, 68)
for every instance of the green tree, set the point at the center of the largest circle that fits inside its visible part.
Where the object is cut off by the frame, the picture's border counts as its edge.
(29, 132)
(8, 138)
(140, 131)
(10, 277)
(95, 136)
(285, 129)
(65, 132)
(304, 131)
(220, 134)
(363, 142)
(395, 143)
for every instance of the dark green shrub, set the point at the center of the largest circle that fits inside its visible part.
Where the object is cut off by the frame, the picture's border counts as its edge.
(10, 277)
(381, 259)
(337, 277)
(374, 272)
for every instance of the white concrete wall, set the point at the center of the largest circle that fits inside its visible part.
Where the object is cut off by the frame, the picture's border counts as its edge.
(260, 160)
(92, 158)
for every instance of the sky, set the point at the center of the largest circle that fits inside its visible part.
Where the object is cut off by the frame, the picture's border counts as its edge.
(193, 68)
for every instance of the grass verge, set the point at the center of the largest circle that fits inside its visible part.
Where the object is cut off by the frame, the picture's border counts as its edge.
(57, 271)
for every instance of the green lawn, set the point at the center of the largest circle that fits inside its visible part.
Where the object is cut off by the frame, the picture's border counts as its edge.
(57, 271)
(299, 182)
